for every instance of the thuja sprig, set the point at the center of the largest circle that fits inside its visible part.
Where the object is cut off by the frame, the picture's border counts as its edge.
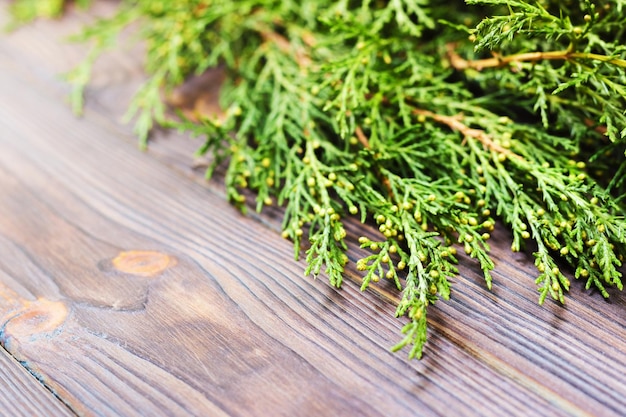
(426, 124)
(549, 204)
(584, 41)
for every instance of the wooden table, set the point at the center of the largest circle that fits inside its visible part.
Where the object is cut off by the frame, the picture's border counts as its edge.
(129, 286)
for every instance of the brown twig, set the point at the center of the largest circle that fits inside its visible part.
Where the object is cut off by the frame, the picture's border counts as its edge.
(499, 61)
(302, 58)
(455, 123)
(600, 129)
(361, 137)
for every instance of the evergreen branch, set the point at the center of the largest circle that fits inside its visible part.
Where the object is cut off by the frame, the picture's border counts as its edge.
(365, 142)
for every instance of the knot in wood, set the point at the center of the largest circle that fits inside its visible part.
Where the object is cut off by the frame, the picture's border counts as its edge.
(142, 263)
(42, 316)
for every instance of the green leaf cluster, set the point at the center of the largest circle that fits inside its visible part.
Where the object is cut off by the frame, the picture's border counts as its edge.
(431, 120)
(24, 11)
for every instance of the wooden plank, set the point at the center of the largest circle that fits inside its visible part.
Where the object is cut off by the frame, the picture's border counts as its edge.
(21, 395)
(230, 326)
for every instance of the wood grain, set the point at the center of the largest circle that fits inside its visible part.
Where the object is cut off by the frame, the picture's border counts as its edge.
(130, 287)
(22, 396)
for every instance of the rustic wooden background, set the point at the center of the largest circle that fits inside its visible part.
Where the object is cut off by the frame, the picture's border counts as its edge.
(129, 286)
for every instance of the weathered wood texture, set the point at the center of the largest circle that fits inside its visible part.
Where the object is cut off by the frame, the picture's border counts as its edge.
(22, 396)
(130, 287)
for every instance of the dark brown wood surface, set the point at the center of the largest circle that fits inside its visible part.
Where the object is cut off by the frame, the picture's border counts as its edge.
(129, 286)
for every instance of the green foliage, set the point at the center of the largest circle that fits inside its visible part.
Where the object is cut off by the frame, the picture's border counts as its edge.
(429, 119)
(24, 11)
